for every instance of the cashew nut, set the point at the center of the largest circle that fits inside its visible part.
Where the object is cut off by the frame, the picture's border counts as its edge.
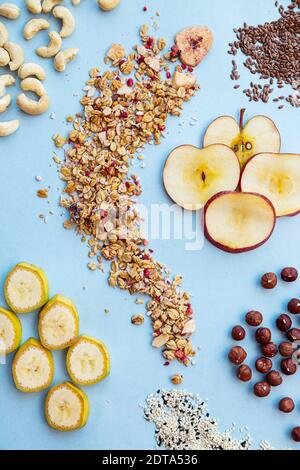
(9, 11)
(34, 26)
(4, 57)
(8, 127)
(108, 5)
(3, 34)
(53, 47)
(63, 57)
(68, 21)
(34, 85)
(48, 5)
(75, 2)
(5, 81)
(16, 55)
(4, 103)
(34, 6)
(29, 106)
(31, 70)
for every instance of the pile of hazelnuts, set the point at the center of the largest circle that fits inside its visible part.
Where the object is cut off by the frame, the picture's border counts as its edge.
(287, 349)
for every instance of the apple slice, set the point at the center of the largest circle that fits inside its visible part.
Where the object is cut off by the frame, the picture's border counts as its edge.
(238, 222)
(276, 176)
(192, 176)
(260, 134)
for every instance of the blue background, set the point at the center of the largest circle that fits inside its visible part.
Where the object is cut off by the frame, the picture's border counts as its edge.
(224, 286)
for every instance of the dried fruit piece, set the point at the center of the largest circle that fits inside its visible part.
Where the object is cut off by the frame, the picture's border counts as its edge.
(66, 407)
(58, 323)
(32, 367)
(193, 44)
(10, 331)
(88, 361)
(26, 288)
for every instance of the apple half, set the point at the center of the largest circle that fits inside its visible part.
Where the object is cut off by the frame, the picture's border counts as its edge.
(192, 176)
(276, 176)
(260, 134)
(238, 222)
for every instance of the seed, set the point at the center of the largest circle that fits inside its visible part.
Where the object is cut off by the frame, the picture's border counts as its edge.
(294, 306)
(286, 349)
(289, 274)
(263, 365)
(288, 367)
(283, 322)
(254, 318)
(262, 389)
(244, 373)
(269, 350)
(274, 378)
(237, 355)
(263, 335)
(238, 333)
(286, 405)
(296, 434)
(269, 281)
(294, 334)
(177, 379)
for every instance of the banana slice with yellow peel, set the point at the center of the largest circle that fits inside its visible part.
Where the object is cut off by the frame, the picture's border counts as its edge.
(26, 288)
(32, 367)
(67, 407)
(88, 361)
(10, 331)
(58, 323)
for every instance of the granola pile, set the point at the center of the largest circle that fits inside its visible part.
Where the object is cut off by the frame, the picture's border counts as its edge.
(125, 108)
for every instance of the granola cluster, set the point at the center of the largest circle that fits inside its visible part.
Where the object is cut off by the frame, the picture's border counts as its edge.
(125, 108)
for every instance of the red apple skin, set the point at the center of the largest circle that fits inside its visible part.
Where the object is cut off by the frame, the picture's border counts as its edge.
(240, 187)
(226, 248)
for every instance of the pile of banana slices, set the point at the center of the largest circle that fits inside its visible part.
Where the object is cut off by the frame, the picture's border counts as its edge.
(67, 406)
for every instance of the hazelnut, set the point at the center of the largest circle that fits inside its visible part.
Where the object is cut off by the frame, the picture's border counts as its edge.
(263, 335)
(269, 281)
(238, 333)
(263, 365)
(254, 318)
(269, 350)
(296, 434)
(262, 389)
(286, 349)
(288, 367)
(286, 405)
(283, 322)
(244, 373)
(289, 274)
(274, 378)
(237, 355)
(294, 306)
(293, 334)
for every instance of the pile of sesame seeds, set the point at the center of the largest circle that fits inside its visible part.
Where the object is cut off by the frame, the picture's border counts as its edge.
(183, 422)
(272, 52)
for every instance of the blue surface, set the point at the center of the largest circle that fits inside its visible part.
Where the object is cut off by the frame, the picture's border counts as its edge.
(224, 286)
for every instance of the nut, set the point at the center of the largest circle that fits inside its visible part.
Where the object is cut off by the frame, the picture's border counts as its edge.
(42, 193)
(289, 274)
(64, 57)
(244, 373)
(269, 350)
(286, 349)
(263, 335)
(262, 389)
(5, 81)
(32, 107)
(238, 333)
(8, 128)
(288, 367)
(4, 57)
(53, 47)
(274, 378)
(31, 69)
(9, 11)
(177, 379)
(160, 341)
(254, 318)
(286, 405)
(294, 306)
(137, 319)
(116, 52)
(237, 355)
(108, 5)
(3, 34)
(34, 85)
(4, 103)
(48, 5)
(16, 55)
(283, 322)
(269, 281)
(67, 19)
(34, 6)
(185, 80)
(33, 26)
(263, 365)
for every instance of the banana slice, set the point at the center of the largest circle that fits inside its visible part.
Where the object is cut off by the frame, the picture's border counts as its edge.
(58, 323)
(10, 331)
(32, 367)
(26, 288)
(88, 361)
(67, 407)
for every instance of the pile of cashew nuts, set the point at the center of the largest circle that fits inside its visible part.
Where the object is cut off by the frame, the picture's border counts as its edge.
(31, 75)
